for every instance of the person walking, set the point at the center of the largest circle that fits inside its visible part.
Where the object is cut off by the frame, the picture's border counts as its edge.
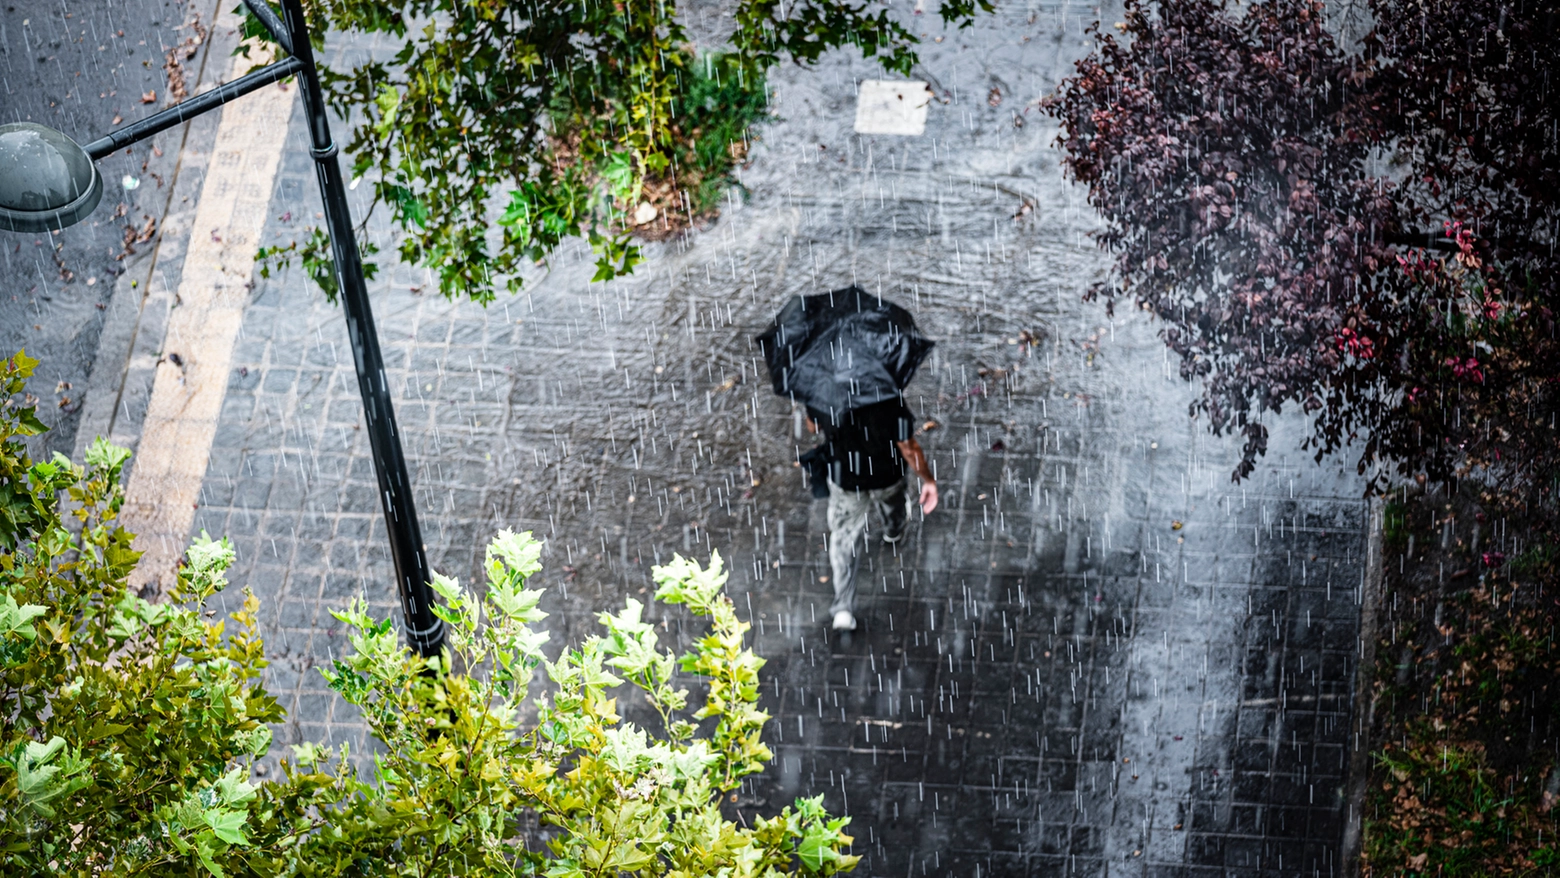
(867, 451)
(847, 356)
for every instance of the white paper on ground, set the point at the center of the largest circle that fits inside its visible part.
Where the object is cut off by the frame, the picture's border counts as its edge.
(887, 107)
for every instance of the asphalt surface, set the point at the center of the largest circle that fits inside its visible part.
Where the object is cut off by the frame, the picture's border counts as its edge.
(1098, 657)
(85, 68)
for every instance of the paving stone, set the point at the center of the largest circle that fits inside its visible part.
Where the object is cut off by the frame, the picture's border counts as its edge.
(1043, 626)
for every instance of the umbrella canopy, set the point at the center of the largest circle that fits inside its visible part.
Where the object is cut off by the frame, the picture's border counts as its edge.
(842, 350)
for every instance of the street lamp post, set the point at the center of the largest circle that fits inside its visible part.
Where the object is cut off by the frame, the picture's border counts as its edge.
(47, 182)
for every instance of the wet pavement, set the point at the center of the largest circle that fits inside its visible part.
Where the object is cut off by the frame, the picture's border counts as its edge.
(79, 67)
(1097, 657)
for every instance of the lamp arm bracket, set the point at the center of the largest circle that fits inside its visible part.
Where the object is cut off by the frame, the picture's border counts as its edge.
(201, 103)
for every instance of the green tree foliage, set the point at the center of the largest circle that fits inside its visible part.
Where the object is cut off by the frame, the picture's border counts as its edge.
(128, 729)
(497, 128)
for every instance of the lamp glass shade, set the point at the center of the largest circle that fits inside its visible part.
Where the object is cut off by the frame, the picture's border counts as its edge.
(47, 181)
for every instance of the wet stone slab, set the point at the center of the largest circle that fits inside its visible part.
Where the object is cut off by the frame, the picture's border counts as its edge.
(1050, 677)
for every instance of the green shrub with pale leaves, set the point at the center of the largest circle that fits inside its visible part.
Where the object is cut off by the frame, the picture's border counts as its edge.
(128, 728)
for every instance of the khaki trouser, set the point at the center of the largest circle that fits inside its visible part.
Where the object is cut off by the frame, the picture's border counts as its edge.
(848, 514)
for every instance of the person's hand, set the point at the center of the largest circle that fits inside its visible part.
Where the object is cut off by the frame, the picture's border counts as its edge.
(928, 497)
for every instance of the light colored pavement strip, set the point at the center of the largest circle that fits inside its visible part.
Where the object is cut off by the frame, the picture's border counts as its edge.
(192, 374)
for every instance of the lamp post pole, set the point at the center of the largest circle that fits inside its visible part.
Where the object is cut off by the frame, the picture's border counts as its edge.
(424, 630)
(49, 182)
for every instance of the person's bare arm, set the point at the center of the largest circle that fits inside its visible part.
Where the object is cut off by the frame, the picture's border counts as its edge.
(913, 455)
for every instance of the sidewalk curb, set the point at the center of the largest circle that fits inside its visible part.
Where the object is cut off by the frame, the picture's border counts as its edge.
(1364, 700)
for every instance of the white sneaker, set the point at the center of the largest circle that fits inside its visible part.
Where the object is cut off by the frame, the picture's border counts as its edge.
(844, 621)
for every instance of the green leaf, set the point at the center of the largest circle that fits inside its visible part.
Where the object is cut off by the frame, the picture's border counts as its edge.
(208, 556)
(41, 779)
(17, 619)
(226, 824)
(388, 100)
(106, 456)
(519, 209)
(22, 366)
(683, 581)
(255, 742)
(815, 849)
(521, 552)
(517, 604)
(106, 730)
(411, 207)
(205, 573)
(625, 749)
(448, 588)
(528, 642)
(27, 423)
(308, 753)
(232, 788)
(618, 256)
(622, 182)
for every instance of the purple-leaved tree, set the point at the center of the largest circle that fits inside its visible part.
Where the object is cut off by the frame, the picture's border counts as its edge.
(1364, 231)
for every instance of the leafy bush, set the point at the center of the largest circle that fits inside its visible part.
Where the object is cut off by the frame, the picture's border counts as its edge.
(709, 139)
(1463, 779)
(460, 765)
(128, 729)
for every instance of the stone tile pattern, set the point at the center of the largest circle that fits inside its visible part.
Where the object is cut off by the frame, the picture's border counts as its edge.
(190, 382)
(1048, 679)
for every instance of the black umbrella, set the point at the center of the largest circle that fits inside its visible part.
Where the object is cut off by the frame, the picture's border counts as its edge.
(842, 350)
